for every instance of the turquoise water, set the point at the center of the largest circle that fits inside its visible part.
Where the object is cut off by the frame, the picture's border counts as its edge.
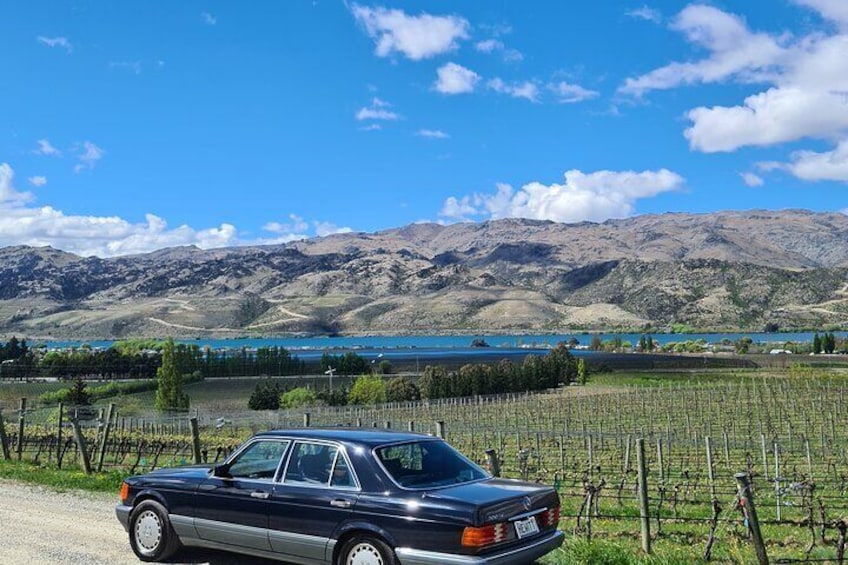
(458, 342)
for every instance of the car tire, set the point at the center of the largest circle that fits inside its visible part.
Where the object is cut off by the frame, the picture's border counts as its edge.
(366, 550)
(152, 537)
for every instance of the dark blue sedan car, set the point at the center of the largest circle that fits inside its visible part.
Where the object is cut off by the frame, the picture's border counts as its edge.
(342, 497)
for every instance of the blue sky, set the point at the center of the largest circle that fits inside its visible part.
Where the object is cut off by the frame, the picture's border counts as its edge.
(132, 126)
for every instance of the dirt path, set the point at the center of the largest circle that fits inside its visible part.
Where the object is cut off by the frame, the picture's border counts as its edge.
(41, 526)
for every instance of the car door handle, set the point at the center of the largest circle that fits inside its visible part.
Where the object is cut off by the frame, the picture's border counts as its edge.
(340, 503)
(260, 494)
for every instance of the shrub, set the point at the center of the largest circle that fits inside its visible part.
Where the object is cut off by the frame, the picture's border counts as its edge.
(402, 390)
(297, 398)
(367, 390)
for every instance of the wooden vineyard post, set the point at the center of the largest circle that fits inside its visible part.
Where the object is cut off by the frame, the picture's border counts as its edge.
(410, 426)
(4, 442)
(306, 419)
(644, 513)
(494, 464)
(765, 458)
(440, 429)
(710, 473)
(80, 439)
(59, 435)
(104, 440)
(777, 481)
(195, 439)
(21, 426)
(746, 501)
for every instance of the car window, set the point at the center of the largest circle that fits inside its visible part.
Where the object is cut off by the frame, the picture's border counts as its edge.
(259, 460)
(342, 475)
(427, 464)
(311, 464)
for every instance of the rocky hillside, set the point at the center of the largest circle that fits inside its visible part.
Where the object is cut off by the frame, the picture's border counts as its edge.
(729, 270)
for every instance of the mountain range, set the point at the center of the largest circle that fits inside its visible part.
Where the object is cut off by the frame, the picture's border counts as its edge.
(735, 270)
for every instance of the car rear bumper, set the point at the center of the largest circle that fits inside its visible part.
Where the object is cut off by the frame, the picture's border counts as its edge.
(516, 556)
(123, 513)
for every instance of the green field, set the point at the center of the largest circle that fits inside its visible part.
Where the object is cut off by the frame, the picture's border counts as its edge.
(583, 440)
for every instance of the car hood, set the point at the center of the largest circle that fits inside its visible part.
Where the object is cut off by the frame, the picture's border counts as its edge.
(174, 476)
(498, 499)
(185, 471)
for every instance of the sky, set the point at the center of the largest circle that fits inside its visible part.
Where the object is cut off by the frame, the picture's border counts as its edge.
(131, 126)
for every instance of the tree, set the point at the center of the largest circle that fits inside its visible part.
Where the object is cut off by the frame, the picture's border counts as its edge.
(297, 398)
(400, 389)
(643, 343)
(169, 391)
(817, 343)
(78, 393)
(582, 372)
(266, 396)
(596, 345)
(479, 342)
(367, 390)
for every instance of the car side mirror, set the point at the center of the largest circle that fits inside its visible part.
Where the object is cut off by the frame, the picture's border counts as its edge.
(222, 471)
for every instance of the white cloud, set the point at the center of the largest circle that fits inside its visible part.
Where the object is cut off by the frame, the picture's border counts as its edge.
(89, 156)
(416, 37)
(734, 52)
(432, 133)
(774, 116)
(8, 195)
(497, 46)
(296, 225)
(489, 46)
(455, 79)
(568, 93)
(56, 42)
(458, 209)
(131, 66)
(37, 180)
(834, 10)
(583, 196)
(527, 90)
(371, 127)
(378, 110)
(105, 236)
(805, 93)
(208, 18)
(328, 228)
(820, 166)
(752, 180)
(646, 13)
(45, 148)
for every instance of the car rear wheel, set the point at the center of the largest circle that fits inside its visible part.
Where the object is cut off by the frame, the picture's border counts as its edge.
(366, 550)
(151, 536)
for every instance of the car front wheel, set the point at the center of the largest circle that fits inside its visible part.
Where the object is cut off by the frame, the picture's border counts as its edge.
(151, 536)
(366, 550)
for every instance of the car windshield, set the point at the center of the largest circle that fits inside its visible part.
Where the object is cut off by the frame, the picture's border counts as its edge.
(427, 464)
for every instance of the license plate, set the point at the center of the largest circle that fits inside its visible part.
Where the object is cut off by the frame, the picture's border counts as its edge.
(526, 527)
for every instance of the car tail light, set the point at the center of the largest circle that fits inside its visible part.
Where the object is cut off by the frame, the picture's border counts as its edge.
(125, 492)
(549, 517)
(485, 535)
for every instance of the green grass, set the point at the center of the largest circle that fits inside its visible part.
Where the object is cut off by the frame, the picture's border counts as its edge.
(578, 551)
(69, 478)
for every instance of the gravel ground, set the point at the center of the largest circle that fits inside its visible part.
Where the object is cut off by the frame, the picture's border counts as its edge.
(41, 526)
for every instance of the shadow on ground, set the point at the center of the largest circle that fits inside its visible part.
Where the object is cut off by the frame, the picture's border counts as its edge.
(197, 556)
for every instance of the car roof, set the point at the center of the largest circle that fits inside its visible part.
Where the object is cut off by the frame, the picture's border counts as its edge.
(365, 436)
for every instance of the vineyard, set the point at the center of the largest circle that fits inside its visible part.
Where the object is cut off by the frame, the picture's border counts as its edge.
(786, 434)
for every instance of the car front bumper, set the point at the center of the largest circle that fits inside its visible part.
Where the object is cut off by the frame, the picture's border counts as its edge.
(123, 513)
(516, 556)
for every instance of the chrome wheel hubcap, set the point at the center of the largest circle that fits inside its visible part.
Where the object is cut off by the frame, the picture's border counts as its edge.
(364, 554)
(148, 531)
